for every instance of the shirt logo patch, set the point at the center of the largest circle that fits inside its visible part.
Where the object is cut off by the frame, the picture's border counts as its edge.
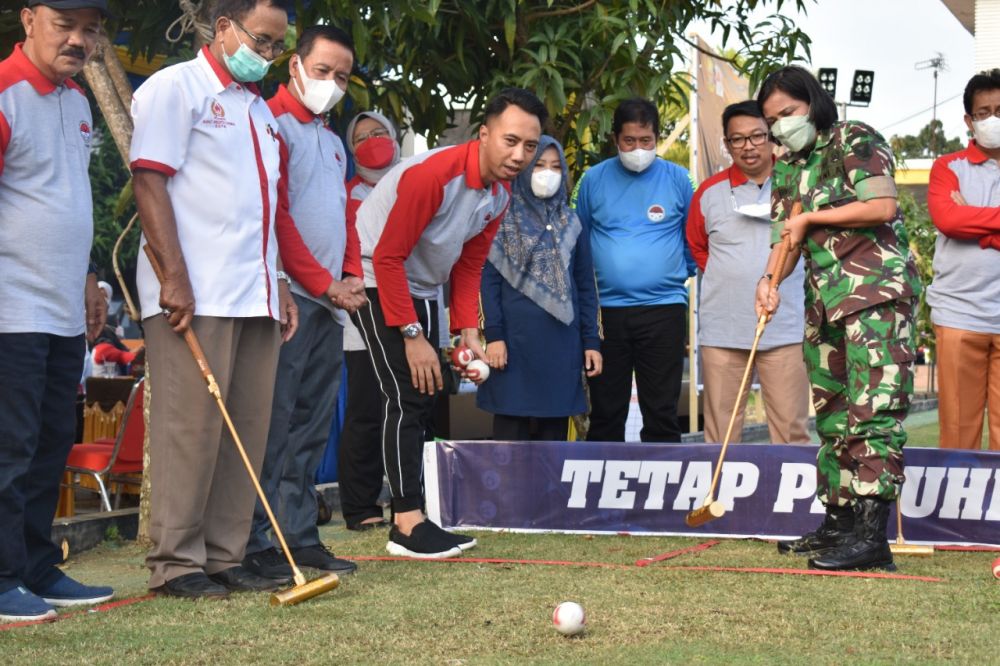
(218, 119)
(85, 132)
(271, 133)
(656, 213)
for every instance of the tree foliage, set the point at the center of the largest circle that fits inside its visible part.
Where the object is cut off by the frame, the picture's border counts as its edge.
(929, 142)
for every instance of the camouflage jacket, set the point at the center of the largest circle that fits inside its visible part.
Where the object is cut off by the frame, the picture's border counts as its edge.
(847, 270)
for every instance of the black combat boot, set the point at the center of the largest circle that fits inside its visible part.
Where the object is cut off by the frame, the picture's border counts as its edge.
(868, 548)
(837, 526)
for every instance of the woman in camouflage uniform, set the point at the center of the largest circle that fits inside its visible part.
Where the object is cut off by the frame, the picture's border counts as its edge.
(861, 283)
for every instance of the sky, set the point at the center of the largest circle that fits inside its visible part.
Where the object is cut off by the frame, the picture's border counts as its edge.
(889, 36)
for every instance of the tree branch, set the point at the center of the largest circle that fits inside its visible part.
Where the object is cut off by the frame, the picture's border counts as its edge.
(709, 53)
(565, 11)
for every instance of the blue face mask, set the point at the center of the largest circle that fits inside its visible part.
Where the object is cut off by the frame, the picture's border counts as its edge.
(246, 65)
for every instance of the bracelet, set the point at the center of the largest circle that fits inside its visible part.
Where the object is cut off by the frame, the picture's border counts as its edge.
(282, 275)
(766, 276)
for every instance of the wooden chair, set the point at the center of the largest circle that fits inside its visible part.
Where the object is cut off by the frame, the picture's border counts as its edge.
(112, 460)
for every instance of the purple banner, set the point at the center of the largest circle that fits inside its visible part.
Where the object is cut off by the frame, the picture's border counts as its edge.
(950, 496)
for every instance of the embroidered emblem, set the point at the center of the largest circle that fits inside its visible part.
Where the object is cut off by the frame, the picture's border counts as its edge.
(217, 110)
(85, 132)
(656, 213)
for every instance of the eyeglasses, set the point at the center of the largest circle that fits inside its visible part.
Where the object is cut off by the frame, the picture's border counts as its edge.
(375, 133)
(738, 141)
(264, 45)
(983, 114)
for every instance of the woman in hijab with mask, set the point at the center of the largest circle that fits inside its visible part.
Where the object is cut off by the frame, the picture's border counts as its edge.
(371, 138)
(861, 283)
(539, 302)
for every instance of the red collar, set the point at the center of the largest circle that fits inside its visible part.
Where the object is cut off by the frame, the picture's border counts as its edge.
(225, 78)
(974, 154)
(29, 72)
(287, 102)
(473, 177)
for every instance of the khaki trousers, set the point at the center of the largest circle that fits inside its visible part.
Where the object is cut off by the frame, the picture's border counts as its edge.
(202, 500)
(969, 382)
(783, 381)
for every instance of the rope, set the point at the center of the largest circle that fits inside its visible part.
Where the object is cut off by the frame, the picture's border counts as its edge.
(188, 22)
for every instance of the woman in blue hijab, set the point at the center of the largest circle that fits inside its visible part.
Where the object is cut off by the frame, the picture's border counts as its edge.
(539, 303)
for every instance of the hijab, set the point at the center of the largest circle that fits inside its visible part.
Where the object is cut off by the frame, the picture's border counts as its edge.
(534, 245)
(372, 175)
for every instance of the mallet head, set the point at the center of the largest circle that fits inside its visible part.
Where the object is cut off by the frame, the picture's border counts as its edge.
(704, 514)
(300, 593)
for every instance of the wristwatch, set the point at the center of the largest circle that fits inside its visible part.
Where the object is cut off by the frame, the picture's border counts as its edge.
(282, 275)
(411, 331)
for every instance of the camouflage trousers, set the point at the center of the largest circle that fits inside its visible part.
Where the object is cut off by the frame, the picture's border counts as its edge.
(861, 371)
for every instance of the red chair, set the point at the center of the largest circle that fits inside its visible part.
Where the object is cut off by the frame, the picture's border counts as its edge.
(110, 460)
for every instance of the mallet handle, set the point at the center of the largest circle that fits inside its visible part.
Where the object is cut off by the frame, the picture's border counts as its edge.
(213, 387)
(779, 269)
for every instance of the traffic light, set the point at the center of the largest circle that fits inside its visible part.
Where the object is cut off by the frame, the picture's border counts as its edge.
(828, 80)
(861, 89)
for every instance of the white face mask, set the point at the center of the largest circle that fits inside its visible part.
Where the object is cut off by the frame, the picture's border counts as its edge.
(759, 210)
(987, 132)
(320, 95)
(637, 160)
(545, 182)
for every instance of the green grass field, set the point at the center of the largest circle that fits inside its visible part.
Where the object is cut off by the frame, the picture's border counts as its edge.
(457, 613)
(466, 613)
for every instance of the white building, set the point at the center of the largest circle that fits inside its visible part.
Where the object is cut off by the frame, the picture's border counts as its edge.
(982, 19)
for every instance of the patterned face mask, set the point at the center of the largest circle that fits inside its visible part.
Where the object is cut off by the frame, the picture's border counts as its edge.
(794, 132)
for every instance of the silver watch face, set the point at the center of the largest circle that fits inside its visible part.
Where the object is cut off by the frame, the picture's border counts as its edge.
(412, 330)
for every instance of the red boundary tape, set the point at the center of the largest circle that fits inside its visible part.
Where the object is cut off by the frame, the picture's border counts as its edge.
(754, 570)
(970, 549)
(111, 605)
(646, 561)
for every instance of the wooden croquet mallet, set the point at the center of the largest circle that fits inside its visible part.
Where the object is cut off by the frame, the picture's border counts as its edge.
(712, 508)
(302, 590)
(901, 547)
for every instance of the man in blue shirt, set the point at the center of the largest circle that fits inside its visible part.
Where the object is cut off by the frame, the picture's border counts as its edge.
(635, 206)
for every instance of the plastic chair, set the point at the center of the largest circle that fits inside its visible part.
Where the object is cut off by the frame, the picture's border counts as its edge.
(108, 460)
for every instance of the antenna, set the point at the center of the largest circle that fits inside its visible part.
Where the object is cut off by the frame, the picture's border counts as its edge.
(937, 64)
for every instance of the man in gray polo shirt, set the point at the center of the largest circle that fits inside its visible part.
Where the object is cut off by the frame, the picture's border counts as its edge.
(309, 365)
(963, 197)
(728, 230)
(45, 141)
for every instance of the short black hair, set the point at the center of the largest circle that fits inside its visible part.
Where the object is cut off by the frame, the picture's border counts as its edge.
(983, 81)
(519, 97)
(799, 83)
(240, 9)
(745, 108)
(328, 32)
(636, 110)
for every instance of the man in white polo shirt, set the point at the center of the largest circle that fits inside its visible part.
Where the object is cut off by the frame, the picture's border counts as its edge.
(206, 163)
(309, 366)
(47, 225)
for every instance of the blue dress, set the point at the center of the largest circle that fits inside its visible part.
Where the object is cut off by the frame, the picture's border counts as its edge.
(543, 377)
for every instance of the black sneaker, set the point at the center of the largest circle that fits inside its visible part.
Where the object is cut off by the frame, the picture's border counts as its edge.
(320, 557)
(426, 541)
(463, 542)
(268, 564)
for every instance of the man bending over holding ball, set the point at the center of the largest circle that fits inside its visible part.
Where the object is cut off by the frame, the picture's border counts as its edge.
(430, 219)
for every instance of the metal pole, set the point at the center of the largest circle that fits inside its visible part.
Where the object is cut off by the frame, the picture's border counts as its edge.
(934, 149)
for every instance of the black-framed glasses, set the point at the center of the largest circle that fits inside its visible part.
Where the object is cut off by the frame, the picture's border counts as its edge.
(738, 141)
(983, 114)
(264, 45)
